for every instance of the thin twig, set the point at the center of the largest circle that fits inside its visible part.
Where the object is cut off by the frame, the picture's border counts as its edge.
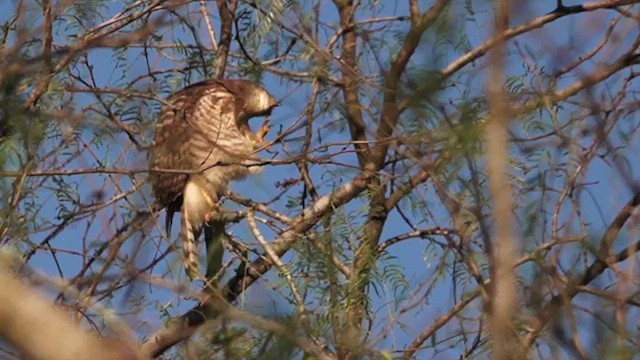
(212, 31)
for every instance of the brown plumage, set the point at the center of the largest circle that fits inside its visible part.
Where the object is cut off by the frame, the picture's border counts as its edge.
(205, 128)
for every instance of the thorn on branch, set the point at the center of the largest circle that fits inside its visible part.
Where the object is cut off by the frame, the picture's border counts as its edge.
(561, 9)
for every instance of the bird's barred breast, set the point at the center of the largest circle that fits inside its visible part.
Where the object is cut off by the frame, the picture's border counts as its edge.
(217, 143)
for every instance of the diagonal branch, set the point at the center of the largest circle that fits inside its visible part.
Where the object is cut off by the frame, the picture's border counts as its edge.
(439, 323)
(207, 21)
(629, 58)
(507, 34)
(390, 113)
(181, 328)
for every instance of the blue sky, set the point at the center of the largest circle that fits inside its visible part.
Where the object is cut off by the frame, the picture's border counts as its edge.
(420, 262)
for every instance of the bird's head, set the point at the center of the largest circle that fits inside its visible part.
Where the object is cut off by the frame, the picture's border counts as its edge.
(251, 99)
(258, 101)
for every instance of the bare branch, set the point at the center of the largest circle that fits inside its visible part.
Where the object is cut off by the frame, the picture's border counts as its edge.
(350, 78)
(227, 11)
(210, 28)
(510, 33)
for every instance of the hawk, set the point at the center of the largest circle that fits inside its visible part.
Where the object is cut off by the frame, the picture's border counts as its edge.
(204, 132)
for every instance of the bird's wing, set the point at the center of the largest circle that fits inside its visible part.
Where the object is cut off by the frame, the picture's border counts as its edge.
(197, 130)
(171, 148)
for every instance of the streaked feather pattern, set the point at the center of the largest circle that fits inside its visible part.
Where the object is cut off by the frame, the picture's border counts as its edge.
(204, 129)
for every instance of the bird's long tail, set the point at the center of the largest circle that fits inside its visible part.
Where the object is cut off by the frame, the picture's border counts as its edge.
(196, 204)
(214, 234)
(190, 232)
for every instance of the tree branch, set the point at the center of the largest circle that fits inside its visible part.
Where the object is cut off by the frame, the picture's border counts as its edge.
(227, 11)
(43, 332)
(181, 328)
(390, 113)
(439, 323)
(503, 303)
(507, 34)
(350, 88)
(596, 269)
(365, 255)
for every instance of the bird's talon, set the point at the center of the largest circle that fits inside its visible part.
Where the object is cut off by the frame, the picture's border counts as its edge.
(264, 130)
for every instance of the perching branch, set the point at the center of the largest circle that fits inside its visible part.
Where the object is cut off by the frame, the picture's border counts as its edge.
(181, 328)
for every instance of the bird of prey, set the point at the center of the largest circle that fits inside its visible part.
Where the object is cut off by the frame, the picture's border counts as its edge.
(203, 131)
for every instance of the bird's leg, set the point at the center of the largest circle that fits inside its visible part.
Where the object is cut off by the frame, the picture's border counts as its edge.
(264, 130)
(215, 207)
(209, 215)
